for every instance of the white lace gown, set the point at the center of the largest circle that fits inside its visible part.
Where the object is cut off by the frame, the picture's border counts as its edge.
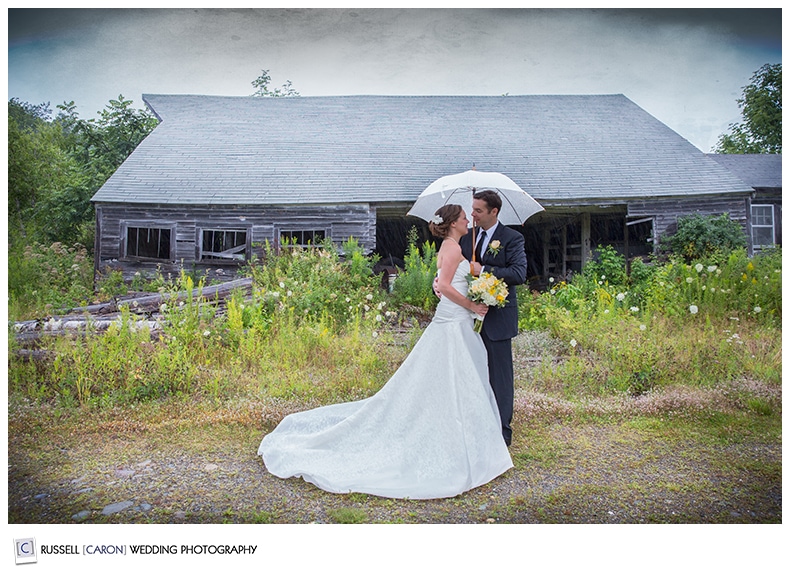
(432, 431)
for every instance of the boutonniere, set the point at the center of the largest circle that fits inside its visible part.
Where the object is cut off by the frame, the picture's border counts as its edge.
(494, 246)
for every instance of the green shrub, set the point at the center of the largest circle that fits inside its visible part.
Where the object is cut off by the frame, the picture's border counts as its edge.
(414, 285)
(706, 237)
(44, 279)
(315, 283)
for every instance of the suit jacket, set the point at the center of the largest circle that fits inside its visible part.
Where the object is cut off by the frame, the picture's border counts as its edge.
(508, 264)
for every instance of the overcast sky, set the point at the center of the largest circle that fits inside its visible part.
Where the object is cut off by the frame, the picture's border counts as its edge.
(685, 67)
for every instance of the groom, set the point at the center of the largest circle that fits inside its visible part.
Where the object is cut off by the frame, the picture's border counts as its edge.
(499, 250)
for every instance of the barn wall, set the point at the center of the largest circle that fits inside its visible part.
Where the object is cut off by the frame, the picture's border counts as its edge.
(261, 223)
(665, 212)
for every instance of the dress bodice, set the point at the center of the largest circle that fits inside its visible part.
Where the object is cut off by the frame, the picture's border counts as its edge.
(446, 310)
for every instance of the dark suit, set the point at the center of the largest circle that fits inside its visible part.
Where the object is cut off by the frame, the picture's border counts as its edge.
(501, 323)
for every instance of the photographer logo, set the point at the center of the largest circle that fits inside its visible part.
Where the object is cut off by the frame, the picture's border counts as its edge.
(25, 550)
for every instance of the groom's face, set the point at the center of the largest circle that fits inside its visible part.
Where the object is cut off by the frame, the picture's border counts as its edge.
(482, 215)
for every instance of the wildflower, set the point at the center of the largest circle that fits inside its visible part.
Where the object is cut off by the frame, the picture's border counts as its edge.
(379, 318)
(162, 308)
(289, 293)
(634, 309)
(551, 279)
(282, 285)
(375, 334)
(606, 311)
(693, 309)
(689, 280)
(757, 309)
(603, 277)
(699, 267)
(206, 333)
(750, 266)
(573, 343)
(642, 327)
(620, 296)
(711, 268)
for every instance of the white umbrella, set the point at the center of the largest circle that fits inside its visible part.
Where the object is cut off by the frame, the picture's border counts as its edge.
(517, 204)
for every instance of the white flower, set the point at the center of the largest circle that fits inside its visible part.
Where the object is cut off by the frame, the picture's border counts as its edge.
(634, 309)
(603, 276)
(693, 309)
(162, 308)
(573, 343)
(369, 296)
(606, 311)
(758, 309)
(282, 285)
(206, 333)
(699, 267)
(689, 280)
(379, 318)
(289, 293)
(711, 268)
(642, 327)
(437, 220)
(620, 296)
(551, 279)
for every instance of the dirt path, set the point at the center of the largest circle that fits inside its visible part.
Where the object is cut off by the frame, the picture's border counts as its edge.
(191, 464)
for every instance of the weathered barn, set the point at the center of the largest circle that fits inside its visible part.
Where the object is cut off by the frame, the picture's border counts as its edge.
(220, 176)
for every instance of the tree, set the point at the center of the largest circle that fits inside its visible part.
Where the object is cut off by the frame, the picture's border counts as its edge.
(55, 166)
(261, 85)
(761, 108)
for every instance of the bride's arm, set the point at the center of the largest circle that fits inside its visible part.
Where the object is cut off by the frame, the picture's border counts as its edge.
(449, 257)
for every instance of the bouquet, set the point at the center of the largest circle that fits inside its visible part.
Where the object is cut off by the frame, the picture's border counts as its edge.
(486, 289)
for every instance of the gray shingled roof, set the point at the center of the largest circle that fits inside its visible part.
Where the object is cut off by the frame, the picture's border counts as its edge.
(246, 150)
(757, 170)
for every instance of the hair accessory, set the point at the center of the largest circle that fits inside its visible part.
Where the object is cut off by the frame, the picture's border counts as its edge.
(437, 220)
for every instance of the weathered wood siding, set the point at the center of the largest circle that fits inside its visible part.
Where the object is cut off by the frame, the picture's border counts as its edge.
(262, 224)
(665, 212)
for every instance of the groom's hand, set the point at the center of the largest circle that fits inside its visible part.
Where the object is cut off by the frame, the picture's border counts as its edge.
(476, 268)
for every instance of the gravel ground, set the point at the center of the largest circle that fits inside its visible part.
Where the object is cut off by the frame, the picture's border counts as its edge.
(646, 460)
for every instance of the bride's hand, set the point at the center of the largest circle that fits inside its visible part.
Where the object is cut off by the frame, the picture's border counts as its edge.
(479, 309)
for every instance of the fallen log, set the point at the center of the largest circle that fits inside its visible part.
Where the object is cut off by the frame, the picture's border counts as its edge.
(99, 317)
(154, 301)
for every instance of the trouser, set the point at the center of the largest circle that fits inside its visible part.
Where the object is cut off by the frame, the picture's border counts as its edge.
(500, 375)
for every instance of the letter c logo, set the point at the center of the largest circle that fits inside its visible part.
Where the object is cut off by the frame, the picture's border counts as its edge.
(23, 548)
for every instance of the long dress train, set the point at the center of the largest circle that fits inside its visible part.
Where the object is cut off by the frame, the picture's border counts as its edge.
(432, 431)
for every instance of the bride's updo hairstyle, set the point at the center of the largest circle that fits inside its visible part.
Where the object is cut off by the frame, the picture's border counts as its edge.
(439, 226)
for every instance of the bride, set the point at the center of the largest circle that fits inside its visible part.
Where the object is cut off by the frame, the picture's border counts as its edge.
(432, 431)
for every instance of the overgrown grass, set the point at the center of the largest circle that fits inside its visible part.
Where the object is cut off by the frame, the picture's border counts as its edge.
(315, 329)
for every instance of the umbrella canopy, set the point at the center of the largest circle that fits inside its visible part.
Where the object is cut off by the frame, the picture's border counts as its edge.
(517, 204)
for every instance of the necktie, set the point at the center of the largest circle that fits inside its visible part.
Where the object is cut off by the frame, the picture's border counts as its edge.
(479, 247)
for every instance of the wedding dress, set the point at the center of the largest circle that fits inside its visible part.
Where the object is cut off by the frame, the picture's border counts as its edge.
(433, 431)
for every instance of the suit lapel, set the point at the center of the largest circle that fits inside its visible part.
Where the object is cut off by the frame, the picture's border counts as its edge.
(485, 255)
